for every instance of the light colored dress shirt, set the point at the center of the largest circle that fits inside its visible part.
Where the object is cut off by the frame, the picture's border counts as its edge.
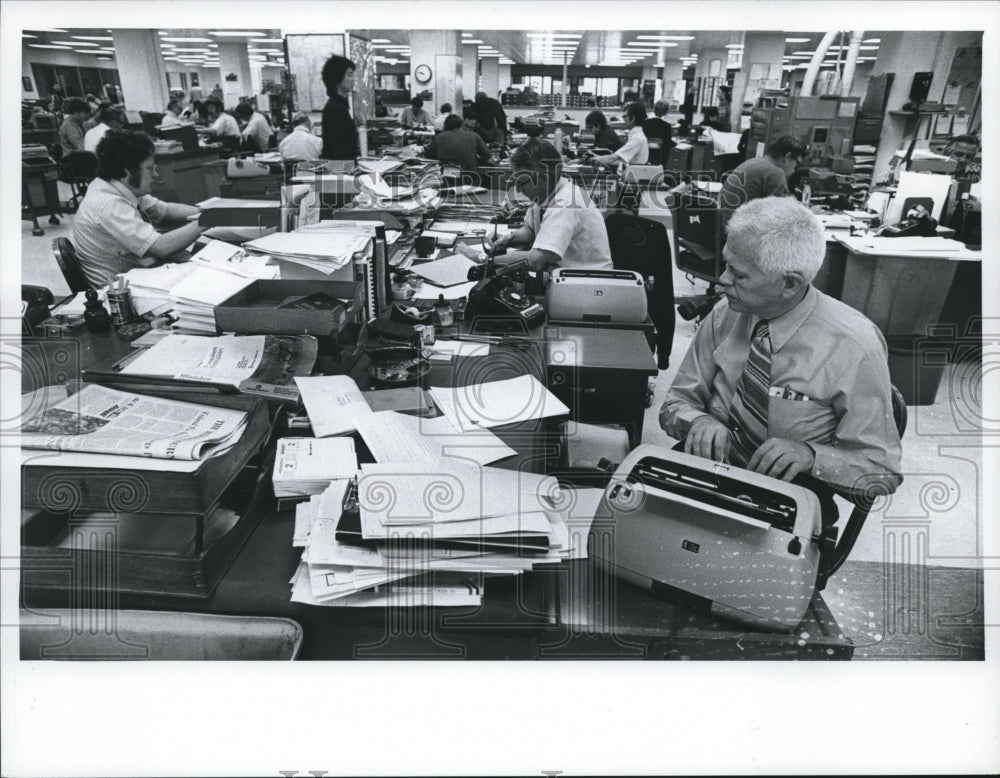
(439, 122)
(830, 386)
(636, 148)
(93, 137)
(257, 131)
(225, 126)
(169, 120)
(572, 227)
(110, 234)
(301, 144)
(411, 119)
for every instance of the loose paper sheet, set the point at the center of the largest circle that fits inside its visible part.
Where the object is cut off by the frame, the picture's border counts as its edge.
(497, 403)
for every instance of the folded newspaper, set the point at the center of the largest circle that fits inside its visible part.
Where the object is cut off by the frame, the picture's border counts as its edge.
(99, 420)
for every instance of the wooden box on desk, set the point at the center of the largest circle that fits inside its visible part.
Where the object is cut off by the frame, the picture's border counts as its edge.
(257, 309)
(150, 525)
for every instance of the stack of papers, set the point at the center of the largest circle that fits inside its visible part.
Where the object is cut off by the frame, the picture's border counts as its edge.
(152, 287)
(496, 403)
(362, 549)
(326, 252)
(228, 258)
(196, 296)
(307, 466)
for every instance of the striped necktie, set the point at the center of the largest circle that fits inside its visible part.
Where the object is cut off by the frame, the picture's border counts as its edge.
(748, 412)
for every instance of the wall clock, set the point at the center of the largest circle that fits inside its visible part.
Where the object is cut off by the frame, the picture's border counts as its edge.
(422, 73)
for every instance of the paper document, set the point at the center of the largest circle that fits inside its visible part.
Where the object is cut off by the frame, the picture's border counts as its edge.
(448, 271)
(232, 259)
(496, 403)
(429, 291)
(101, 420)
(395, 437)
(334, 403)
(305, 466)
(209, 286)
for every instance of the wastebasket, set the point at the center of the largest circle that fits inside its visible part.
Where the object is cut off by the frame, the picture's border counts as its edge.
(916, 364)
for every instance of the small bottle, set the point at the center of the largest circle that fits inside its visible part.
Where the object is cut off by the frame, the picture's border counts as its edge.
(445, 315)
(557, 140)
(95, 314)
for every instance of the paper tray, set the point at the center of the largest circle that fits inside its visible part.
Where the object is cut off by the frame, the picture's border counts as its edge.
(254, 309)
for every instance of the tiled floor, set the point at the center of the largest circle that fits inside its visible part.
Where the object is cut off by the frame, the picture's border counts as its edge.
(934, 519)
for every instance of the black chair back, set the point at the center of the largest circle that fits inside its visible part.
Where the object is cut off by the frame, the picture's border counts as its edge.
(69, 264)
(82, 166)
(698, 226)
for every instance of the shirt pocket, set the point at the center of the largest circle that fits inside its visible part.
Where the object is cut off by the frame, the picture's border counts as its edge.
(808, 421)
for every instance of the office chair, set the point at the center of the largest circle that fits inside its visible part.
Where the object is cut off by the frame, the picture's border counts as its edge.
(698, 228)
(150, 121)
(837, 554)
(641, 245)
(69, 264)
(53, 633)
(82, 167)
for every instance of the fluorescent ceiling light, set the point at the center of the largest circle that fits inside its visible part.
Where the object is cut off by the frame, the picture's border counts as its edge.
(735, 45)
(665, 37)
(554, 35)
(276, 40)
(26, 35)
(237, 33)
(651, 45)
(264, 51)
(47, 46)
(472, 40)
(868, 48)
(75, 43)
(872, 40)
(797, 40)
(188, 40)
(162, 32)
(92, 38)
(52, 29)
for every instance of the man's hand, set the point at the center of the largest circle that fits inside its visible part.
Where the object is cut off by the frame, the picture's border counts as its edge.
(782, 458)
(707, 437)
(472, 252)
(502, 241)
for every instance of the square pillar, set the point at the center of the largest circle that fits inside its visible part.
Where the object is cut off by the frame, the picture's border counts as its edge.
(143, 76)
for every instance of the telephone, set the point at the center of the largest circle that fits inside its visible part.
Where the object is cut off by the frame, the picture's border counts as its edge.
(495, 295)
(917, 223)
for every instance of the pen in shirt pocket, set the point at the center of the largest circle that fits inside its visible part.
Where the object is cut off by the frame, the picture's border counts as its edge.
(784, 393)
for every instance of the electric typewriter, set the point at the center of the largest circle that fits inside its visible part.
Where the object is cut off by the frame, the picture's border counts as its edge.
(711, 536)
(577, 294)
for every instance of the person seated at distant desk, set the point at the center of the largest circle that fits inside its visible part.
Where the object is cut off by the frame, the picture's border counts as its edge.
(256, 132)
(780, 378)
(458, 146)
(172, 116)
(71, 132)
(765, 176)
(221, 124)
(439, 120)
(563, 226)
(415, 115)
(604, 137)
(111, 119)
(657, 127)
(635, 151)
(301, 144)
(112, 232)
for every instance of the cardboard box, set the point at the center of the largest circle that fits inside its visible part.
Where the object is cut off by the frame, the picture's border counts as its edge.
(290, 307)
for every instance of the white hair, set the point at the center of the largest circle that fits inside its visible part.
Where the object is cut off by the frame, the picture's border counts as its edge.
(782, 235)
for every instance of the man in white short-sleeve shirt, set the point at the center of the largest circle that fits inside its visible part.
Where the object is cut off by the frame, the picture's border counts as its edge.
(563, 226)
(112, 232)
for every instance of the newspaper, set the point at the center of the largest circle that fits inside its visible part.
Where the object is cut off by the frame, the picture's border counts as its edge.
(106, 421)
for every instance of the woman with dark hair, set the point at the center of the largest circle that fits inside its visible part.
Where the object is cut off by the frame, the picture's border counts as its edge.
(340, 134)
(725, 120)
(604, 137)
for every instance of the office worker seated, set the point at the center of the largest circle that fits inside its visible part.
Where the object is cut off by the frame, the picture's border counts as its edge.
(301, 143)
(110, 119)
(635, 151)
(220, 123)
(172, 116)
(765, 176)
(340, 133)
(458, 146)
(604, 137)
(563, 227)
(71, 131)
(440, 119)
(415, 115)
(255, 132)
(112, 232)
(657, 127)
(780, 378)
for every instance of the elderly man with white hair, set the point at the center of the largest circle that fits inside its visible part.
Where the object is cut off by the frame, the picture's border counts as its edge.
(301, 144)
(780, 378)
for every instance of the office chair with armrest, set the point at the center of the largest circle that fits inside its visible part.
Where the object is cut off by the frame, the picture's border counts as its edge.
(82, 166)
(837, 554)
(698, 228)
(69, 264)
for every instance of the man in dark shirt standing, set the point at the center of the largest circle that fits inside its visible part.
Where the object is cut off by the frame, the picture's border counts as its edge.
(458, 146)
(340, 134)
(492, 121)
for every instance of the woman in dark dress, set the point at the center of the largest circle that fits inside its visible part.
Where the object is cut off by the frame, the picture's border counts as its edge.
(340, 134)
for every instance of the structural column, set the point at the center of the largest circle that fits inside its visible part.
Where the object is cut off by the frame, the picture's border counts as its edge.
(763, 57)
(491, 76)
(143, 75)
(439, 50)
(234, 67)
(673, 72)
(470, 70)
